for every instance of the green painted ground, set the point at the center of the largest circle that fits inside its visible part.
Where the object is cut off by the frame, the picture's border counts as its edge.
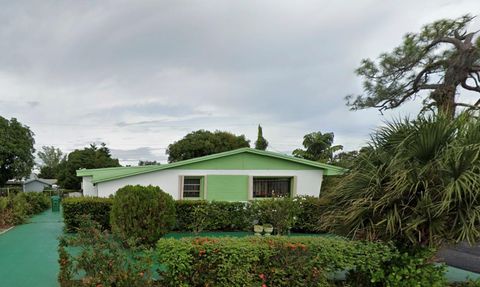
(28, 252)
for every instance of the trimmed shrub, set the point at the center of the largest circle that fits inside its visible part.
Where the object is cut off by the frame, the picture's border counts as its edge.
(15, 209)
(97, 209)
(200, 215)
(100, 260)
(310, 214)
(282, 213)
(283, 261)
(142, 213)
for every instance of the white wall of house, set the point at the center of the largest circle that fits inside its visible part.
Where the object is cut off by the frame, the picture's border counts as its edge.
(308, 182)
(88, 188)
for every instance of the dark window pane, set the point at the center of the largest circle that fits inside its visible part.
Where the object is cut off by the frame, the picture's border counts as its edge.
(271, 187)
(191, 187)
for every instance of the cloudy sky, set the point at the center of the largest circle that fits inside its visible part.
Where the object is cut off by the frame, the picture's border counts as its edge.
(139, 75)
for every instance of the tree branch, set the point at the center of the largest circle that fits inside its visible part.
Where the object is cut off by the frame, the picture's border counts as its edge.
(456, 42)
(469, 106)
(470, 88)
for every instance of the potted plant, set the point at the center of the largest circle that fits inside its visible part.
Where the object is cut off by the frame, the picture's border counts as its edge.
(268, 228)
(258, 229)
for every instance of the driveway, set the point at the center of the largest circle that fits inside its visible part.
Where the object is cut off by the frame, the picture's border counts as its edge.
(28, 252)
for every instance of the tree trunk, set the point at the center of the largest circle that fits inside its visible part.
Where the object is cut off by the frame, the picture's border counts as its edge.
(444, 98)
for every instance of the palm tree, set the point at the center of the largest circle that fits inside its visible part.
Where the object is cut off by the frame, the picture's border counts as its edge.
(418, 185)
(318, 147)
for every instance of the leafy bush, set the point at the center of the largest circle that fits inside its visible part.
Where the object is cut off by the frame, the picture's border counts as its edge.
(310, 214)
(142, 213)
(282, 213)
(16, 208)
(97, 209)
(198, 215)
(101, 260)
(417, 184)
(283, 261)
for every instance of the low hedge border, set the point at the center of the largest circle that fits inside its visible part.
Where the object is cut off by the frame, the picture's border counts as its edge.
(98, 209)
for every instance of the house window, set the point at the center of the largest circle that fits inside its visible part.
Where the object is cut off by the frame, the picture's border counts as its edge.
(271, 187)
(191, 187)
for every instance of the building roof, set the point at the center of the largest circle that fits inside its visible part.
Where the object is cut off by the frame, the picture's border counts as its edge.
(112, 173)
(42, 180)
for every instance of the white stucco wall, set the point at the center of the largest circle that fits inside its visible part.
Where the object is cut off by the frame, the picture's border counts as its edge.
(308, 182)
(88, 188)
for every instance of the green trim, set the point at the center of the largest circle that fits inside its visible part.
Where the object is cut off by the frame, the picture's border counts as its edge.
(240, 159)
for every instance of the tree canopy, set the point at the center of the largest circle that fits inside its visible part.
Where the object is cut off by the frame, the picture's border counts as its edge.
(432, 65)
(202, 142)
(51, 158)
(318, 147)
(89, 157)
(147, 162)
(261, 143)
(16, 150)
(416, 185)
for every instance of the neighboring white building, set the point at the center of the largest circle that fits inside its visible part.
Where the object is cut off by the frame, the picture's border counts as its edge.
(237, 175)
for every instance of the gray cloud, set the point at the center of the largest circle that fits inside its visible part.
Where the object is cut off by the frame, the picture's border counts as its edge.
(138, 75)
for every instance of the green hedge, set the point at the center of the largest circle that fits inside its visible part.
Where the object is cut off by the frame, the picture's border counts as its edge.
(142, 213)
(201, 215)
(294, 261)
(15, 209)
(75, 209)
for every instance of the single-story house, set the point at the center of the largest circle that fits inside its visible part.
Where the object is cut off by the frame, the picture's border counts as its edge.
(237, 175)
(38, 184)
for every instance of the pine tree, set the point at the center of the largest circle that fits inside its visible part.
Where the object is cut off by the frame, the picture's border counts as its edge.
(261, 142)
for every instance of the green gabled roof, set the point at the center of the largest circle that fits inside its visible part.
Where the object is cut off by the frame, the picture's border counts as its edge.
(112, 173)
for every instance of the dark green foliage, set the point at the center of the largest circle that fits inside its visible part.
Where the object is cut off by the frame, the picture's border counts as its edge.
(200, 215)
(295, 261)
(200, 143)
(147, 162)
(282, 213)
(16, 150)
(101, 260)
(261, 143)
(310, 214)
(15, 209)
(431, 65)
(142, 213)
(318, 147)
(418, 185)
(97, 209)
(89, 157)
(51, 158)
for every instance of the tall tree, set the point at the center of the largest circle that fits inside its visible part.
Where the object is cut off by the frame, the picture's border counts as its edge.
(202, 142)
(318, 147)
(89, 157)
(432, 65)
(261, 143)
(16, 150)
(51, 158)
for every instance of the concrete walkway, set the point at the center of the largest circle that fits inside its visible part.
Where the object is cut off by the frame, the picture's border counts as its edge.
(28, 252)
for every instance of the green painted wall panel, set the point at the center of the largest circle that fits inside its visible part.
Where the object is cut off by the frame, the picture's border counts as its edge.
(247, 161)
(227, 187)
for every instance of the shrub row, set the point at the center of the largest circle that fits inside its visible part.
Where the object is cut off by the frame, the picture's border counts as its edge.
(299, 214)
(98, 209)
(250, 261)
(294, 261)
(15, 209)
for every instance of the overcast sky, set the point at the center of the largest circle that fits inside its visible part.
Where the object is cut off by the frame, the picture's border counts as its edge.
(139, 75)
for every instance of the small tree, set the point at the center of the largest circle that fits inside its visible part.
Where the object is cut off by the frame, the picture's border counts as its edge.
(431, 64)
(142, 213)
(261, 143)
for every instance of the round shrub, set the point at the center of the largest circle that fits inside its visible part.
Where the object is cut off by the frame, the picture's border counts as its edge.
(142, 213)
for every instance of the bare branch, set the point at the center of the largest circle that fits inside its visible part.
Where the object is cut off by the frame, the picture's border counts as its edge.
(469, 106)
(470, 88)
(456, 42)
